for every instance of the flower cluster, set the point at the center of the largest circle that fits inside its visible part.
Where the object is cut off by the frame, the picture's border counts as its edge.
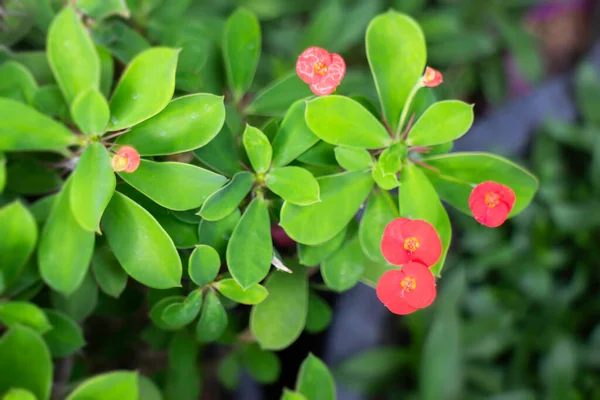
(321, 70)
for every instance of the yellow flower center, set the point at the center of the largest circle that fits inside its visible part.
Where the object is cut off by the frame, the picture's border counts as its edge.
(320, 68)
(119, 163)
(491, 199)
(411, 244)
(408, 283)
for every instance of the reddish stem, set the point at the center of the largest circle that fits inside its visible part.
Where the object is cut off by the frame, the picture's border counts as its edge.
(114, 135)
(420, 149)
(408, 126)
(425, 165)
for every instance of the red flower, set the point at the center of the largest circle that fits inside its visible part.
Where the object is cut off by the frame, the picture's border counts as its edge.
(491, 202)
(405, 240)
(432, 77)
(321, 70)
(405, 291)
(127, 159)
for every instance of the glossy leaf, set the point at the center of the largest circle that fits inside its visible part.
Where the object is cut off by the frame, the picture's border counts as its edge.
(90, 112)
(443, 122)
(311, 256)
(258, 149)
(72, 55)
(341, 196)
(289, 395)
(319, 314)
(16, 78)
(23, 313)
(275, 99)
(176, 186)
(241, 50)
(65, 248)
(27, 175)
(187, 123)
(18, 394)
(65, 337)
(25, 362)
(294, 136)
(329, 118)
(460, 172)
(99, 9)
(379, 212)
(250, 248)
(92, 185)
(181, 314)
(109, 274)
(345, 267)
(396, 52)
(204, 265)
(19, 234)
(24, 129)
(145, 88)
(50, 101)
(108, 386)
(294, 185)
(158, 309)
(107, 70)
(385, 181)
(221, 153)
(213, 319)
(353, 159)
(216, 234)
(147, 389)
(81, 303)
(224, 201)
(419, 200)
(314, 380)
(279, 319)
(232, 290)
(142, 247)
(263, 365)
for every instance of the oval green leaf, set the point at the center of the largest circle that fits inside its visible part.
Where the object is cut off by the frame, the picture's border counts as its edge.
(289, 395)
(380, 210)
(24, 313)
(19, 234)
(148, 389)
(90, 112)
(158, 309)
(263, 365)
(65, 337)
(18, 394)
(250, 249)
(311, 256)
(99, 9)
(180, 314)
(221, 154)
(279, 319)
(275, 99)
(108, 386)
(341, 197)
(216, 234)
(353, 159)
(109, 274)
(315, 381)
(294, 136)
(140, 244)
(258, 149)
(232, 290)
(72, 55)
(319, 314)
(176, 186)
(145, 88)
(15, 78)
(397, 53)
(328, 118)
(186, 124)
(204, 264)
(92, 185)
(81, 303)
(345, 267)
(213, 319)
(294, 185)
(224, 201)
(443, 122)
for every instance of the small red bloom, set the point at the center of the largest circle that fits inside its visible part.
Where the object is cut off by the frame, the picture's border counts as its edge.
(408, 289)
(491, 202)
(127, 159)
(405, 240)
(432, 77)
(321, 70)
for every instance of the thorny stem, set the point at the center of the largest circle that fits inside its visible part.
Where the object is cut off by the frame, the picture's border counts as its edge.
(407, 105)
(408, 126)
(114, 135)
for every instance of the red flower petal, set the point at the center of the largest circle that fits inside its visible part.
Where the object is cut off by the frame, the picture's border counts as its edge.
(398, 231)
(401, 299)
(424, 292)
(305, 66)
(432, 77)
(127, 159)
(491, 215)
(389, 294)
(392, 241)
(332, 78)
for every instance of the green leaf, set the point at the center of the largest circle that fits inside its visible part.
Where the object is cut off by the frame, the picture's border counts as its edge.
(100, 9)
(390, 160)
(559, 369)
(16, 78)
(460, 172)
(258, 149)
(224, 201)
(289, 395)
(187, 123)
(279, 319)
(65, 248)
(27, 175)
(25, 362)
(176, 186)
(92, 185)
(140, 244)
(180, 314)
(341, 197)
(250, 249)
(329, 118)
(18, 394)
(19, 235)
(2, 172)
(50, 101)
(221, 153)
(311, 256)
(294, 185)
(294, 136)
(108, 386)
(263, 365)
(204, 265)
(90, 112)
(109, 274)
(107, 70)
(275, 99)
(232, 290)
(183, 378)
(397, 53)
(81, 303)
(385, 181)
(314, 380)
(319, 314)
(230, 370)
(24, 129)
(344, 268)
(241, 50)
(145, 88)
(216, 234)
(72, 55)
(213, 319)
(419, 200)
(353, 159)
(65, 337)
(379, 212)
(148, 389)
(443, 122)
(158, 309)
(24, 313)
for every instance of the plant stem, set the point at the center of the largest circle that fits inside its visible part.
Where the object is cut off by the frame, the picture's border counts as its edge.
(406, 108)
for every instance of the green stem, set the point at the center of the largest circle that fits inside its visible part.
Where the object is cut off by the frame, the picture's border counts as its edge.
(406, 108)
